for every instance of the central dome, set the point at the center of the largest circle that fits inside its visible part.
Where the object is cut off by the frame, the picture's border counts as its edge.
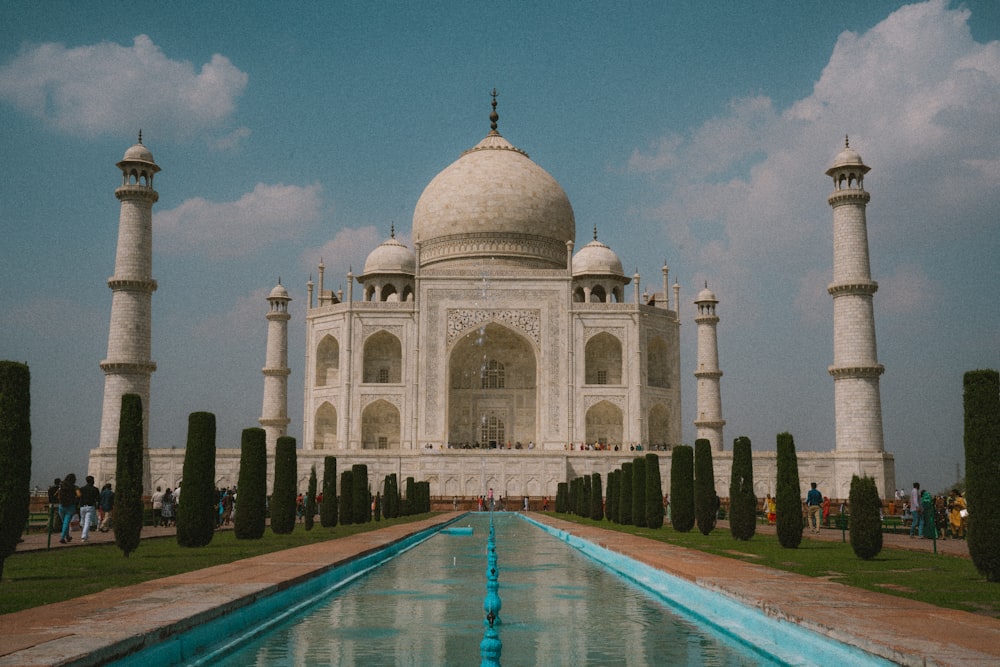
(493, 203)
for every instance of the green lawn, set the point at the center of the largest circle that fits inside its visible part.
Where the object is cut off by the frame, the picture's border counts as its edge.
(35, 578)
(944, 581)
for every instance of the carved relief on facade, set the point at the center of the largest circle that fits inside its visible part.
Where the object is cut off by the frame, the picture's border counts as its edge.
(461, 320)
(395, 399)
(367, 329)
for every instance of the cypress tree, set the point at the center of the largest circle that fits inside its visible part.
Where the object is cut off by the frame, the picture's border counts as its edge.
(328, 508)
(197, 511)
(654, 492)
(584, 508)
(425, 496)
(284, 494)
(596, 498)
(360, 496)
(562, 497)
(611, 504)
(311, 500)
(411, 493)
(346, 499)
(127, 509)
(981, 403)
(625, 495)
(682, 488)
(706, 500)
(866, 519)
(574, 497)
(742, 500)
(15, 454)
(639, 492)
(387, 497)
(251, 514)
(787, 498)
(378, 506)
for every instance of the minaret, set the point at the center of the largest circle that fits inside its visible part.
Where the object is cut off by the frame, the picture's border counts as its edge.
(709, 422)
(274, 415)
(855, 368)
(128, 367)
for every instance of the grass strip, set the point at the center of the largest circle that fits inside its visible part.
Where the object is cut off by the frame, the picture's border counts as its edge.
(36, 578)
(937, 579)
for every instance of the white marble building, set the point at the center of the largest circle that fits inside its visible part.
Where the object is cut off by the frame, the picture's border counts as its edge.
(494, 354)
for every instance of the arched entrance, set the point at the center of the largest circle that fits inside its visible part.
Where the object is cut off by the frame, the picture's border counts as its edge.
(492, 389)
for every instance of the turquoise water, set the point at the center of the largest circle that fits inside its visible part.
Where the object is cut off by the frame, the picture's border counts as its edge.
(565, 602)
(425, 607)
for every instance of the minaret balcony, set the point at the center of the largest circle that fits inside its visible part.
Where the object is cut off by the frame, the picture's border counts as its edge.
(135, 191)
(856, 371)
(134, 284)
(276, 372)
(863, 287)
(851, 196)
(127, 367)
(708, 374)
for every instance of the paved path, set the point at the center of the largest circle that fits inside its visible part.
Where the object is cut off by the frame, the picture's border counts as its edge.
(92, 629)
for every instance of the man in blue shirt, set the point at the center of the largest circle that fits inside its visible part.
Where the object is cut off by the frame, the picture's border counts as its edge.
(814, 500)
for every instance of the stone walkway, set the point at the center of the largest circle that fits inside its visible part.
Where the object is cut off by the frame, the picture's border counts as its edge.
(97, 628)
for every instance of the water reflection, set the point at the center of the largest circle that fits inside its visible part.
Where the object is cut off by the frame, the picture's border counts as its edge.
(426, 608)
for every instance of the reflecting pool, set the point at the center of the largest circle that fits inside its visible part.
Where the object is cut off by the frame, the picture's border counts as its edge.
(425, 607)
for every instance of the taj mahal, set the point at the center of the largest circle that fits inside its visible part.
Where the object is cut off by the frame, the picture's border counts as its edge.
(498, 352)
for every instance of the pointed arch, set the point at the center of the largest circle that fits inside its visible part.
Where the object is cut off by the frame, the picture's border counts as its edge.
(603, 360)
(604, 423)
(325, 427)
(657, 363)
(383, 359)
(327, 362)
(380, 426)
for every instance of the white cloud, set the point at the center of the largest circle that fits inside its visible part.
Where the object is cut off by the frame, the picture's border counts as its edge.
(268, 214)
(109, 88)
(907, 291)
(918, 96)
(245, 315)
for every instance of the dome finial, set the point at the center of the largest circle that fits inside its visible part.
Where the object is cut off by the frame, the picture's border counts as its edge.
(595, 232)
(392, 230)
(847, 141)
(140, 135)
(494, 117)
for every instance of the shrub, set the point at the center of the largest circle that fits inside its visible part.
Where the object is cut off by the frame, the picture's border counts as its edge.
(584, 507)
(706, 500)
(328, 508)
(251, 512)
(866, 519)
(127, 509)
(197, 511)
(283, 495)
(562, 497)
(982, 469)
(361, 497)
(742, 500)
(625, 495)
(654, 492)
(411, 493)
(15, 454)
(639, 491)
(346, 499)
(390, 497)
(596, 498)
(682, 488)
(310, 500)
(424, 493)
(787, 496)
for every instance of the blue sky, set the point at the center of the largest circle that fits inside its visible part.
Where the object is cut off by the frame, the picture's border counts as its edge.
(693, 133)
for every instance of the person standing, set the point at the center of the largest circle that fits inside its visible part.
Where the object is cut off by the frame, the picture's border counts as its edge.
(157, 500)
(917, 524)
(167, 508)
(814, 501)
(107, 504)
(89, 499)
(927, 510)
(67, 505)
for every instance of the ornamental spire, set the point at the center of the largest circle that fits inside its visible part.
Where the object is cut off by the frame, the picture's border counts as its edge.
(494, 117)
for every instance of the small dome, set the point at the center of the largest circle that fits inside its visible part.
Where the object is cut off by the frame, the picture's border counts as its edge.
(138, 153)
(279, 292)
(391, 257)
(848, 157)
(597, 258)
(706, 295)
